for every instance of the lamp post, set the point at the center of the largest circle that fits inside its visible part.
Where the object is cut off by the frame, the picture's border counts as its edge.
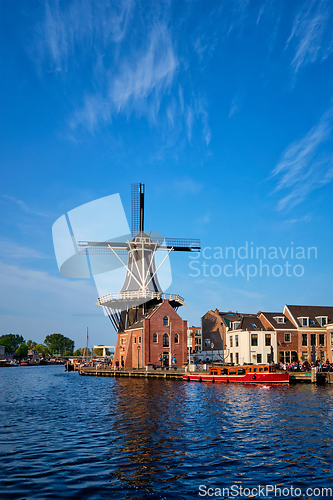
(138, 355)
(212, 345)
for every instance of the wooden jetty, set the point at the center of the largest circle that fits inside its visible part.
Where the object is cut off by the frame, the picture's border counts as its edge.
(106, 371)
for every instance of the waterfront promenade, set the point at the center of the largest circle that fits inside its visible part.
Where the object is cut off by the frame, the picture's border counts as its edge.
(177, 374)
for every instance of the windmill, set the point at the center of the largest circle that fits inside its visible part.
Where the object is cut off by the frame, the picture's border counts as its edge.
(141, 289)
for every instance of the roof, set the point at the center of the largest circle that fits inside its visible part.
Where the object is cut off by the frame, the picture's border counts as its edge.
(250, 323)
(230, 317)
(147, 315)
(287, 325)
(312, 312)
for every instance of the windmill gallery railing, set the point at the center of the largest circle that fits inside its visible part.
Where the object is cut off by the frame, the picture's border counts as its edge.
(132, 295)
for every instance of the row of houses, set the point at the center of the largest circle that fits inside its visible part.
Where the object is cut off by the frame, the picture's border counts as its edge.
(298, 333)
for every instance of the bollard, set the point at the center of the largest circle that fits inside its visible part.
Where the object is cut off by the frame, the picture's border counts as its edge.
(313, 375)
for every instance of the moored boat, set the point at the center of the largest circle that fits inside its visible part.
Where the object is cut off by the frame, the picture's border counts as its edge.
(247, 374)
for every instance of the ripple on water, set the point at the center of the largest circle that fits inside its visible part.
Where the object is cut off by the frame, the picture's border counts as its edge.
(65, 436)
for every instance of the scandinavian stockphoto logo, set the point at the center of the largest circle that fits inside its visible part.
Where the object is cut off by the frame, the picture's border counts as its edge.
(94, 240)
(249, 261)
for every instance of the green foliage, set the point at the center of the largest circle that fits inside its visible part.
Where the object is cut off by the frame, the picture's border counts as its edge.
(58, 343)
(22, 350)
(11, 342)
(31, 344)
(99, 351)
(41, 348)
(78, 352)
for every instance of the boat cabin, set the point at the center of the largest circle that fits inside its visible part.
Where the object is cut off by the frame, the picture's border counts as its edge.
(240, 370)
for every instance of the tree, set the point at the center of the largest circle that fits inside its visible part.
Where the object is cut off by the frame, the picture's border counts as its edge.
(11, 342)
(31, 344)
(78, 352)
(22, 350)
(42, 349)
(58, 343)
(99, 351)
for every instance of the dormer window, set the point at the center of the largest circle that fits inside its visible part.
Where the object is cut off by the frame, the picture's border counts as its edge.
(303, 321)
(280, 319)
(322, 320)
(235, 325)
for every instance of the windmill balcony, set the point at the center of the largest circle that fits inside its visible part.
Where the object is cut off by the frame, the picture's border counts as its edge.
(132, 295)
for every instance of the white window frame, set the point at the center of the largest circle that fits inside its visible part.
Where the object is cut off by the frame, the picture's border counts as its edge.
(301, 322)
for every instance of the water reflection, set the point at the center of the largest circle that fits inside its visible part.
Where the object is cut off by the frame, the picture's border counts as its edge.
(65, 436)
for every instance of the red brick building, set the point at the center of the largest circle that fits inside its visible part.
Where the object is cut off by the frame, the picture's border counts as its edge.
(157, 338)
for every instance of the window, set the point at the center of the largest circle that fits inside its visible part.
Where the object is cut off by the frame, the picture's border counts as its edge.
(231, 358)
(254, 339)
(235, 325)
(269, 358)
(279, 319)
(176, 338)
(232, 371)
(207, 342)
(165, 340)
(165, 321)
(331, 338)
(134, 340)
(287, 337)
(259, 358)
(313, 339)
(322, 320)
(139, 340)
(155, 338)
(254, 325)
(303, 321)
(241, 371)
(267, 339)
(304, 339)
(321, 339)
(237, 358)
(288, 356)
(231, 343)
(236, 340)
(305, 355)
(198, 332)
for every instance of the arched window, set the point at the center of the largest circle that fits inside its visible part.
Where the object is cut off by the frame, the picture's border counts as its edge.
(176, 338)
(165, 340)
(155, 337)
(165, 321)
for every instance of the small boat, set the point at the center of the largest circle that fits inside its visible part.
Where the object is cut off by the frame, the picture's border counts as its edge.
(247, 374)
(24, 363)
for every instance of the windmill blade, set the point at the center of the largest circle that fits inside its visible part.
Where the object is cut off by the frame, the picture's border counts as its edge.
(180, 244)
(135, 189)
(102, 248)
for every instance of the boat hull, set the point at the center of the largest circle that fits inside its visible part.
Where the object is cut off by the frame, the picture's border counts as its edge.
(249, 378)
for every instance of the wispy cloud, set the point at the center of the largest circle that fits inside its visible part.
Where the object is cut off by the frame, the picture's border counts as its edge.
(17, 252)
(22, 205)
(306, 164)
(127, 61)
(311, 35)
(187, 185)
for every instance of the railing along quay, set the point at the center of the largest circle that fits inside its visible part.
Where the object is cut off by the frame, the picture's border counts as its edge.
(103, 371)
(177, 373)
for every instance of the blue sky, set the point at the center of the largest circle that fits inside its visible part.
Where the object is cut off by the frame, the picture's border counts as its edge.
(222, 108)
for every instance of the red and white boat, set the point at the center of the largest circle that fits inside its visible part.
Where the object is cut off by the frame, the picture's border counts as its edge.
(247, 374)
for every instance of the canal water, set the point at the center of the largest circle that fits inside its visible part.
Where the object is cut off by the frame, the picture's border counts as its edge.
(66, 436)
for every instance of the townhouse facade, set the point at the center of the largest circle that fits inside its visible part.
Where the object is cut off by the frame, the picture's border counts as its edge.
(298, 333)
